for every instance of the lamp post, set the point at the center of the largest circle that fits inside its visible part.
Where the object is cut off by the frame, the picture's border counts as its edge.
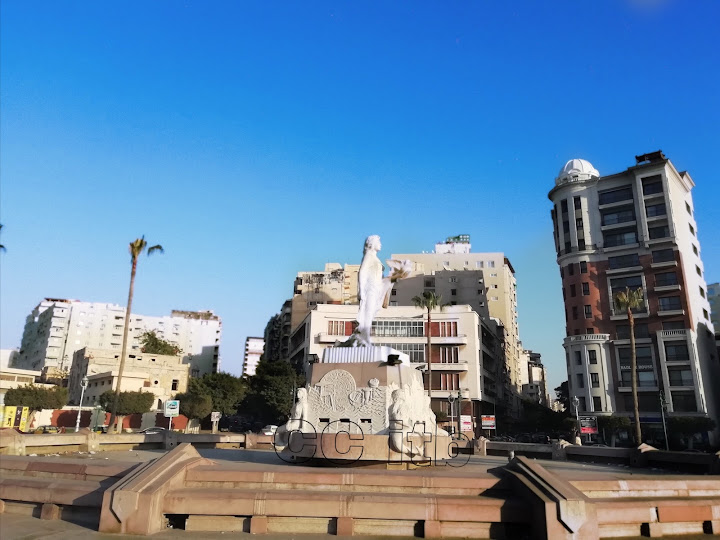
(663, 404)
(576, 403)
(83, 385)
(459, 411)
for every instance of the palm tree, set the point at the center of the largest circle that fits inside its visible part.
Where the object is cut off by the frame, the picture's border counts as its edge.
(429, 301)
(136, 249)
(628, 300)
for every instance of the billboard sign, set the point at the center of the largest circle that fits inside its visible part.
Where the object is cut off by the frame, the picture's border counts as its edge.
(588, 424)
(466, 423)
(215, 416)
(172, 408)
(488, 421)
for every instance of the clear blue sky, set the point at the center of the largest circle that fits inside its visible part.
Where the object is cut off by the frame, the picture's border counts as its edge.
(255, 140)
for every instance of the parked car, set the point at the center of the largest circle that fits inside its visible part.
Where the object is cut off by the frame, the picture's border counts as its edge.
(153, 430)
(47, 429)
(269, 430)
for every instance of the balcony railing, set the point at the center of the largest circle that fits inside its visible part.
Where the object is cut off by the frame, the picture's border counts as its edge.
(672, 333)
(588, 337)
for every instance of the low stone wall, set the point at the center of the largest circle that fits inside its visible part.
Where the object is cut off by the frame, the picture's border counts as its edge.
(18, 444)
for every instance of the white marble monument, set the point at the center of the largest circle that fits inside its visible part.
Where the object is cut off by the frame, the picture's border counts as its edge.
(368, 394)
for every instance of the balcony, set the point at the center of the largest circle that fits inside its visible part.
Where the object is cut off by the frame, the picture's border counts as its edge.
(455, 367)
(460, 339)
(670, 334)
(324, 337)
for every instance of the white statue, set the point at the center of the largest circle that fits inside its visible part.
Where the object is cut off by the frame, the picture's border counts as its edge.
(401, 424)
(373, 289)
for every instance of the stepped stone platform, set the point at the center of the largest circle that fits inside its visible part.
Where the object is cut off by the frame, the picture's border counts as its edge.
(521, 499)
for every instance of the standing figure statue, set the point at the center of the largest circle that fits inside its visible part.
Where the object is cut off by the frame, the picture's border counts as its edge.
(373, 289)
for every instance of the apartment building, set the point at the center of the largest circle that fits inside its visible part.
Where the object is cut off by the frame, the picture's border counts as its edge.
(337, 284)
(713, 296)
(463, 351)
(634, 229)
(163, 375)
(484, 281)
(534, 380)
(254, 347)
(57, 328)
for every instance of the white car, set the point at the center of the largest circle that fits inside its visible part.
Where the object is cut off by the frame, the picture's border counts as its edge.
(269, 430)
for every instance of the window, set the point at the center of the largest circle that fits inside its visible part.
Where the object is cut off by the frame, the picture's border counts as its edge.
(453, 292)
(491, 264)
(571, 269)
(577, 203)
(697, 269)
(583, 267)
(680, 376)
(615, 216)
(479, 264)
(592, 356)
(578, 223)
(662, 231)
(416, 351)
(430, 282)
(665, 279)
(562, 272)
(597, 406)
(581, 244)
(588, 311)
(689, 210)
(595, 380)
(564, 206)
(583, 405)
(652, 185)
(663, 255)
(448, 355)
(684, 402)
(674, 325)
(630, 282)
(175, 384)
(641, 331)
(446, 263)
(580, 380)
(493, 274)
(624, 261)
(448, 329)
(393, 292)
(692, 229)
(575, 313)
(572, 290)
(590, 331)
(643, 356)
(578, 358)
(623, 237)
(449, 381)
(702, 293)
(644, 378)
(654, 210)
(586, 288)
(669, 303)
(394, 328)
(336, 328)
(616, 195)
(695, 250)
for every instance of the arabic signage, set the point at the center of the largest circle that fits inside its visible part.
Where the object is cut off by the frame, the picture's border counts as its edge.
(588, 424)
(488, 421)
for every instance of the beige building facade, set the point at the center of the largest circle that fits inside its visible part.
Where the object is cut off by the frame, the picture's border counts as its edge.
(162, 375)
(458, 348)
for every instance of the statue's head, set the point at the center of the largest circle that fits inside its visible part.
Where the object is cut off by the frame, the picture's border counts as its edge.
(396, 395)
(372, 242)
(302, 394)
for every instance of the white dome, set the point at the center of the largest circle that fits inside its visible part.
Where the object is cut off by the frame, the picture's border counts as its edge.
(576, 170)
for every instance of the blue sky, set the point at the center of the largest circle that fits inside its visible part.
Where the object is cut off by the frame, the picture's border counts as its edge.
(255, 140)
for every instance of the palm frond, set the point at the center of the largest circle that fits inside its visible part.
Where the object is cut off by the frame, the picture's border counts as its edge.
(629, 299)
(155, 248)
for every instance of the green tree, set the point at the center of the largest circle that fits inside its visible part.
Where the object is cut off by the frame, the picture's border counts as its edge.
(37, 398)
(226, 391)
(136, 249)
(613, 424)
(271, 393)
(195, 406)
(126, 404)
(629, 300)
(562, 395)
(688, 426)
(153, 344)
(429, 301)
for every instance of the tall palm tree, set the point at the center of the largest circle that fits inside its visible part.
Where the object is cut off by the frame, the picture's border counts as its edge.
(428, 301)
(136, 249)
(628, 300)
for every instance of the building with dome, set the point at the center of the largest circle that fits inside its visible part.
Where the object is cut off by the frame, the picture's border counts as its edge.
(634, 229)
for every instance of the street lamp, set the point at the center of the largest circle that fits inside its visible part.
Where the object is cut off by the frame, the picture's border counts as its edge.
(459, 411)
(663, 405)
(576, 403)
(83, 385)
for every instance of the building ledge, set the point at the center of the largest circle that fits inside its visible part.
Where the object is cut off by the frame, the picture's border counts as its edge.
(618, 225)
(664, 288)
(623, 270)
(666, 264)
(624, 316)
(671, 312)
(610, 249)
(616, 204)
(663, 334)
(586, 338)
(640, 341)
